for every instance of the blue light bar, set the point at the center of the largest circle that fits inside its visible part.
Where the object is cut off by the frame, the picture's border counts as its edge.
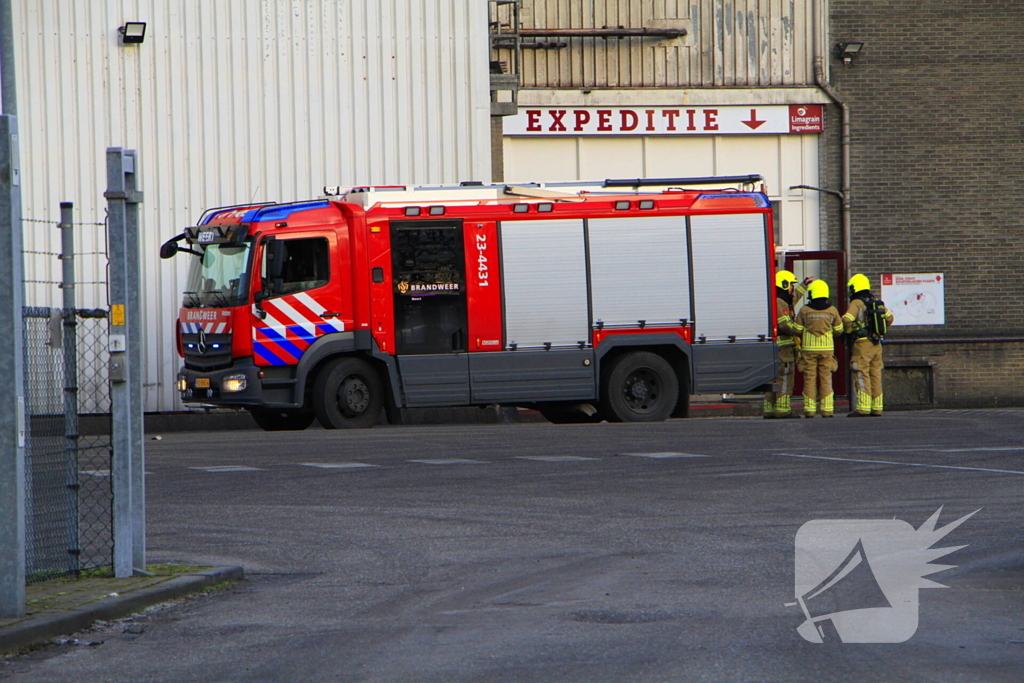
(282, 212)
(760, 199)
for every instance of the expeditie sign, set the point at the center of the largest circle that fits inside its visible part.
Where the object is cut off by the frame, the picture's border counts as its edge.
(672, 120)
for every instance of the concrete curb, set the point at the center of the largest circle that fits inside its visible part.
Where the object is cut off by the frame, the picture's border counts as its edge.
(45, 626)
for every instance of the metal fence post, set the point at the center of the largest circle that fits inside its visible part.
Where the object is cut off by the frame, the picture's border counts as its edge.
(128, 466)
(12, 401)
(70, 348)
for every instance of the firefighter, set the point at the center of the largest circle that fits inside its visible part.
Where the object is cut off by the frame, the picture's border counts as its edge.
(818, 322)
(866, 356)
(787, 293)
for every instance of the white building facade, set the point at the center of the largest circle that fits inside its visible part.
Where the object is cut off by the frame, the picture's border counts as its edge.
(670, 88)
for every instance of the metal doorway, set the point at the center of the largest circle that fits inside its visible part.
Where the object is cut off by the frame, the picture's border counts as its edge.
(829, 266)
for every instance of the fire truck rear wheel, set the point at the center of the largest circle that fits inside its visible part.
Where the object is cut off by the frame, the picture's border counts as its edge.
(271, 420)
(348, 394)
(640, 386)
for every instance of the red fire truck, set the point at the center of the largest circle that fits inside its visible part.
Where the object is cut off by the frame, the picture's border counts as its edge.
(587, 301)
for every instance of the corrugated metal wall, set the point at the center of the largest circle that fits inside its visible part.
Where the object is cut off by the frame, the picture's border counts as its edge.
(235, 101)
(742, 43)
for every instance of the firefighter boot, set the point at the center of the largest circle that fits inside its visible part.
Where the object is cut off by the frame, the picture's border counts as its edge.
(827, 405)
(876, 406)
(783, 409)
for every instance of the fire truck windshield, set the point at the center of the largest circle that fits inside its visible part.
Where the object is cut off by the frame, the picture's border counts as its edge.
(219, 278)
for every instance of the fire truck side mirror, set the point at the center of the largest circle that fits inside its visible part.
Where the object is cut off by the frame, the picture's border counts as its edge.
(275, 252)
(170, 247)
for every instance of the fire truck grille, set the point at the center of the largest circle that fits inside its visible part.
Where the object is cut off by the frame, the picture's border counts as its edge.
(207, 352)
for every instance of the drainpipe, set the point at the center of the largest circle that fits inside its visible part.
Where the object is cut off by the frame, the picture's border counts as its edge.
(822, 82)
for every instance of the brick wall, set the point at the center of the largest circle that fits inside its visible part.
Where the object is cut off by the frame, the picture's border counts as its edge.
(829, 170)
(963, 375)
(937, 110)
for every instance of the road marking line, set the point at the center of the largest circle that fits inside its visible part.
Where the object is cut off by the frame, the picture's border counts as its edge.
(972, 450)
(905, 464)
(666, 455)
(228, 468)
(553, 458)
(925, 447)
(99, 473)
(337, 465)
(930, 449)
(449, 461)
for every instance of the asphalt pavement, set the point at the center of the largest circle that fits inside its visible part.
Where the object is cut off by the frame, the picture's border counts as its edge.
(610, 552)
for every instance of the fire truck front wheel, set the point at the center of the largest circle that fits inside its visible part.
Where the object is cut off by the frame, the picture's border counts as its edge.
(348, 394)
(640, 386)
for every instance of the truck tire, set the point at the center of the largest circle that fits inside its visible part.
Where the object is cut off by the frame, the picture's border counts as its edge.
(271, 420)
(639, 387)
(682, 408)
(348, 394)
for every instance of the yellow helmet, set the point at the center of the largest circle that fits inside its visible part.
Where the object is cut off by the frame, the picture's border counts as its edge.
(817, 290)
(784, 279)
(859, 283)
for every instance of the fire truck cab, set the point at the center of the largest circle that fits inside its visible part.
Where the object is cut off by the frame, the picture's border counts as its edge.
(611, 300)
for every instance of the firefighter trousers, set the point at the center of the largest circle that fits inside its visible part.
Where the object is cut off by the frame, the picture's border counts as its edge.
(817, 368)
(776, 401)
(866, 363)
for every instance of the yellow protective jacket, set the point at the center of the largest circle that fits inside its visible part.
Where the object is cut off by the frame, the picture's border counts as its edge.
(817, 328)
(789, 337)
(854, 319)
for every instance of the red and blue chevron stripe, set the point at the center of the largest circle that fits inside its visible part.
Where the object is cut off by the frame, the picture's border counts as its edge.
(291, 325)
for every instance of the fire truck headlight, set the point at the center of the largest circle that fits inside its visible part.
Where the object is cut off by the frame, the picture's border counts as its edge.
(182, 384)
(233, 383)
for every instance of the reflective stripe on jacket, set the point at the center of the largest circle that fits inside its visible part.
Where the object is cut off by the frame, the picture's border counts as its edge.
(818, 327)
(789, 337)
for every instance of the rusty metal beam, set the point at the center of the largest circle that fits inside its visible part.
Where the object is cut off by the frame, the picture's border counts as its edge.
(605, 32)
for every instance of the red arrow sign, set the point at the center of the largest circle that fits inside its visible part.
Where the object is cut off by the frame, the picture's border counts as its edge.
(753, 122)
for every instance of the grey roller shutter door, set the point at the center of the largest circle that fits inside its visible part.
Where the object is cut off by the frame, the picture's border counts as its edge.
(544, 283)
(639, 270)
(730, 275)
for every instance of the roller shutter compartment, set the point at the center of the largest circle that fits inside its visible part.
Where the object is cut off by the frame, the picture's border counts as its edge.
(730, 276)
(639, 270)
(544, 283)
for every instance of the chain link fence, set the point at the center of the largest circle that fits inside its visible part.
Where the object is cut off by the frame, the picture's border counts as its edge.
(68, 450)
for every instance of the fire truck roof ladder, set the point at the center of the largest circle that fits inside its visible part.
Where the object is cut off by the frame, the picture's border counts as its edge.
(681, 182)
(536, 192)
(557, 191)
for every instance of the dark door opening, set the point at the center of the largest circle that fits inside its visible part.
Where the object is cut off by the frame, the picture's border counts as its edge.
(829, 266)
(428, 262)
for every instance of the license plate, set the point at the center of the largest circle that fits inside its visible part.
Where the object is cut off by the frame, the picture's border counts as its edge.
(203, 383)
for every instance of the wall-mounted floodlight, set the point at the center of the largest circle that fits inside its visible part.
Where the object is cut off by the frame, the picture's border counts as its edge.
(133, 32)
(847, 51)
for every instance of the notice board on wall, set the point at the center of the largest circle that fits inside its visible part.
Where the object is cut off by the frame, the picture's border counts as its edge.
(915, 299)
